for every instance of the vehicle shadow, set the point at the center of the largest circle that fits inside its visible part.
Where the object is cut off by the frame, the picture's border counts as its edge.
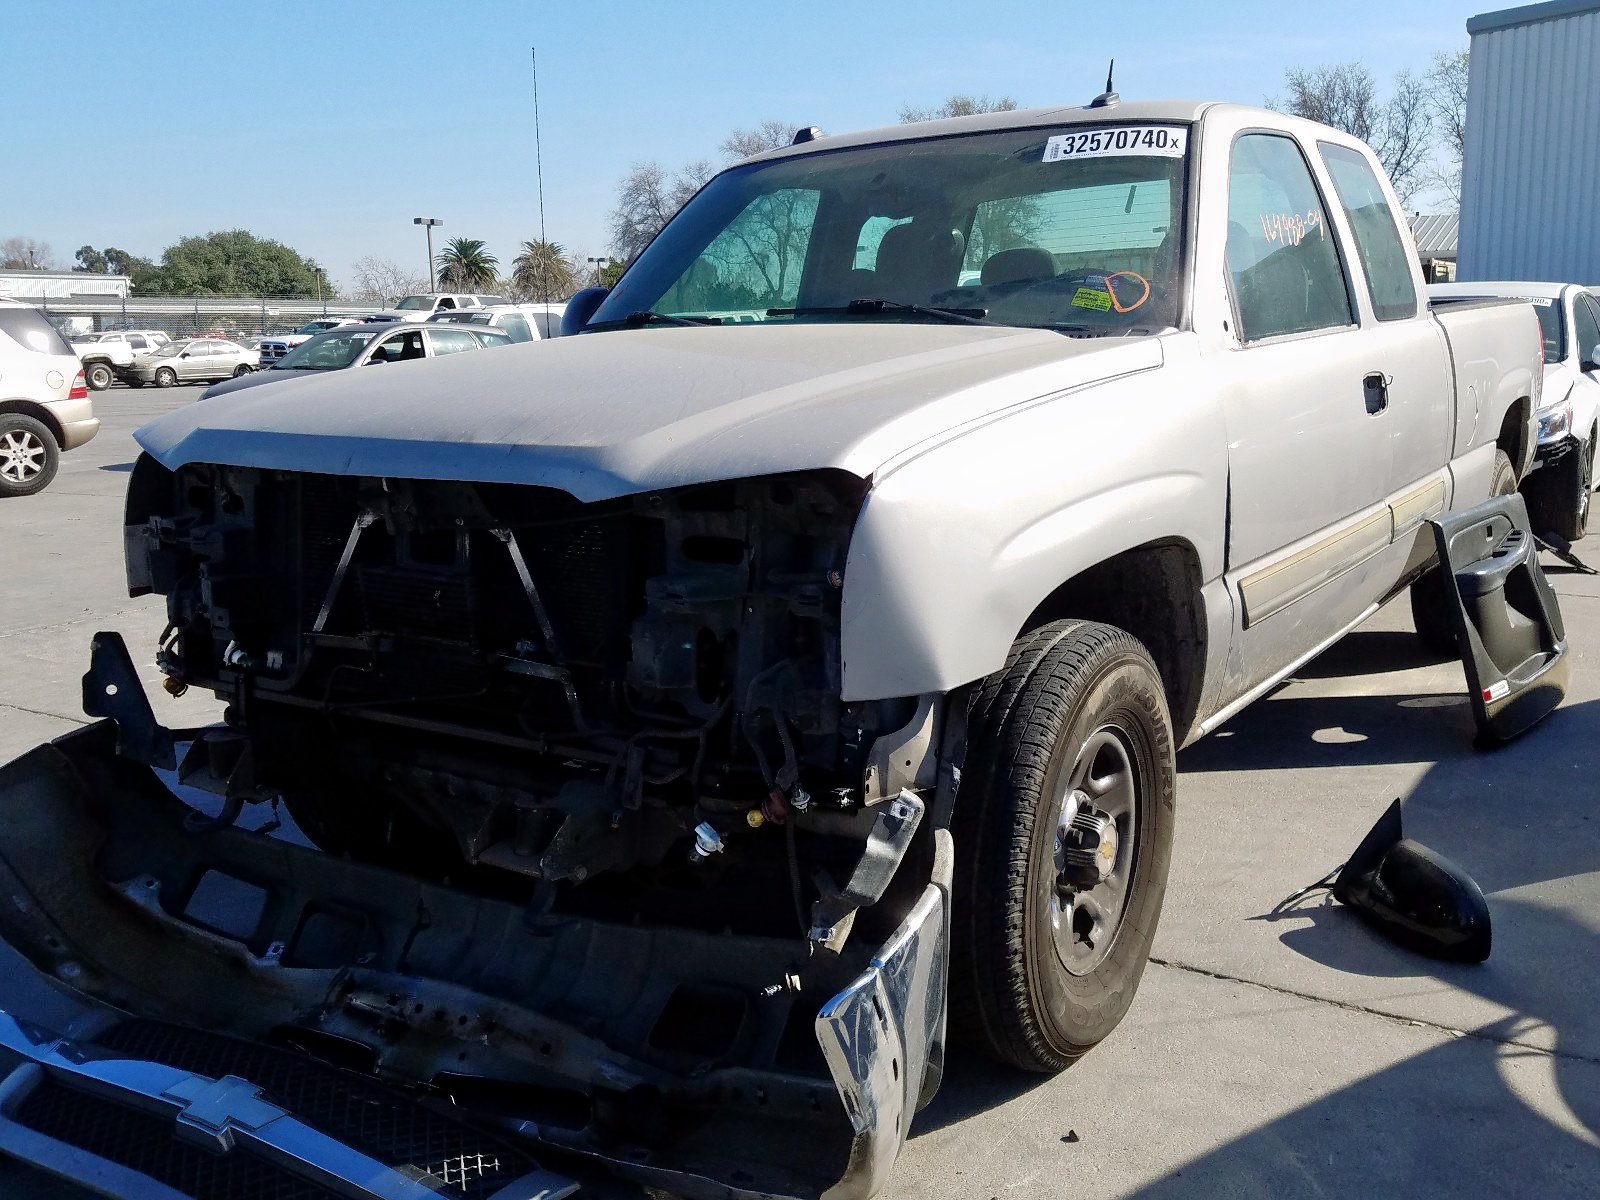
(119, 467)
(1511, 1107)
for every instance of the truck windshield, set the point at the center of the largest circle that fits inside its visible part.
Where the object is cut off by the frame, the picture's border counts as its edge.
(1076, 228)
(414, 302)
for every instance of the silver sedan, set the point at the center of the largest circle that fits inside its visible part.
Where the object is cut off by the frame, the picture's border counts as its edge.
(197, 360)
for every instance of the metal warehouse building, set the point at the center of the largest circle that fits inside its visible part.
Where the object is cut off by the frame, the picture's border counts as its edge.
(1530, 185)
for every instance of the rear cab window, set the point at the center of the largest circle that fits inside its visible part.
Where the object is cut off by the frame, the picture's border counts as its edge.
(1283, 261)
(27, 328)
(1384, 260)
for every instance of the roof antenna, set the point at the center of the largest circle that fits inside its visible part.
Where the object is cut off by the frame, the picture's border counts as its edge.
(1107, 98)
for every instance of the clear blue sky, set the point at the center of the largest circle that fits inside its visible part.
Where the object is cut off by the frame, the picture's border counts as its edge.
(329, 126)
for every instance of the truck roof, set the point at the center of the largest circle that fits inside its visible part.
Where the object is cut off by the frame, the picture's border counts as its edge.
(1020, 118)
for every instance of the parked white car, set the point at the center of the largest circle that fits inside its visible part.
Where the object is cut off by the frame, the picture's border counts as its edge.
(360, 346)
(523, 322)
(196, 360)
(44, 401)
(1560, 486)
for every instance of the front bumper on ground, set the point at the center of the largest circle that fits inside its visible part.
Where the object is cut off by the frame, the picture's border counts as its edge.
(92, 848)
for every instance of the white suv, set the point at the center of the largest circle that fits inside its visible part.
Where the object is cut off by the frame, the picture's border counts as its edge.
(44, 401)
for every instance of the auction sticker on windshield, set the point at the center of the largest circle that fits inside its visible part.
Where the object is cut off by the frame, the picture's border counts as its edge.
(1119, 141)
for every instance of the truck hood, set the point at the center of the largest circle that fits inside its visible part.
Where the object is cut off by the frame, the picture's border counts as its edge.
(609, 414)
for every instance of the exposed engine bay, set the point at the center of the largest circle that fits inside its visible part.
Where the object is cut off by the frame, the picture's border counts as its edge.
(595, 847)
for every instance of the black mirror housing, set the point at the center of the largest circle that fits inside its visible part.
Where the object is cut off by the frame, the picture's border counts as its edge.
(580, 308)
(1417, 897)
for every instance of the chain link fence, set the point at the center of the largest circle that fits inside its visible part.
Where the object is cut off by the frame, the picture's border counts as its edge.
(193, 316)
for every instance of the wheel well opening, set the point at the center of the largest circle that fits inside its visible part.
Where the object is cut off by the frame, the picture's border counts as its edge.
(1153, 592)
(39, 413)
(1513, 436)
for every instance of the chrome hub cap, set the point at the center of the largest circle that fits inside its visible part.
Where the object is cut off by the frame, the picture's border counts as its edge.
(1096, 828)
(21, 456)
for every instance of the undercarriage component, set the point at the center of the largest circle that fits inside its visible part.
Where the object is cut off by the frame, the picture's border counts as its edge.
(648, 1048)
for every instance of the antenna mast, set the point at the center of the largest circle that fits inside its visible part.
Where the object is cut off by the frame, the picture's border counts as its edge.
(538, 159)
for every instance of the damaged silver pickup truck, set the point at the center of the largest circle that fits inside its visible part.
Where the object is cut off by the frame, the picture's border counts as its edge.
(630, 739)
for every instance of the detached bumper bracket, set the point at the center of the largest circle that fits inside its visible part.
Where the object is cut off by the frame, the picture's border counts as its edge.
(111, 688)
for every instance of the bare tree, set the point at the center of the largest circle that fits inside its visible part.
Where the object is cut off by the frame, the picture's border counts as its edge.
(646, 200)
(26, 254)
(1399, 129)
(1447, 97)
(959, 105)
(382, 280)
(768, 135)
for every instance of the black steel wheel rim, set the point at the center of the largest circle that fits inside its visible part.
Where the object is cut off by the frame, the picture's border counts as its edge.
(1096, 841)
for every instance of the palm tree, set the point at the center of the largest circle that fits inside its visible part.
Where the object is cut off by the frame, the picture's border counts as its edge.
(466, 265)
(542, 270)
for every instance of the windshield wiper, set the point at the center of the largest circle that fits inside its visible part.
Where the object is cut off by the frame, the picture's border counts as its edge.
(958, 316)
(637, 320)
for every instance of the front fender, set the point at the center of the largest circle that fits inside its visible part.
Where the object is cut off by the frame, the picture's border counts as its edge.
(957, 547)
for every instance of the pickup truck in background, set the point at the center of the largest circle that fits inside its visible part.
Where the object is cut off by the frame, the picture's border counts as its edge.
(428, 304)
(274, 347)
(1559, 487)
(105, 356)
(680, 712)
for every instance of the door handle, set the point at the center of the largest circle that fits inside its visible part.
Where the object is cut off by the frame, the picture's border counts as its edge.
(1375, 389)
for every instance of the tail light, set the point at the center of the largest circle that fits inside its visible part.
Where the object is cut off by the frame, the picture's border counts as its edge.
(80, 389)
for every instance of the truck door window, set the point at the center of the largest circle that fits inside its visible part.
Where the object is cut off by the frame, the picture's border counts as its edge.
(1282, 260)
(1378, 243)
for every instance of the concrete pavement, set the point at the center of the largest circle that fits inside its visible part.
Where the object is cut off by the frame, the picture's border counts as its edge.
(1266, 1056)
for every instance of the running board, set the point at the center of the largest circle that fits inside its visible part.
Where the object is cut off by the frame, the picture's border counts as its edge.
(1508, 624)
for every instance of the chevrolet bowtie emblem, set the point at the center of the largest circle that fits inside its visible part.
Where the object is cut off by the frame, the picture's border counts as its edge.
(213, 1109)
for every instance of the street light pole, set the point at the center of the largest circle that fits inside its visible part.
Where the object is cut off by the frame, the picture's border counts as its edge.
(428, 223)
(595, 264)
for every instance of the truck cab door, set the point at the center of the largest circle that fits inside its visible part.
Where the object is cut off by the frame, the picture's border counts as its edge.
(1412, 387)
(1308, 460)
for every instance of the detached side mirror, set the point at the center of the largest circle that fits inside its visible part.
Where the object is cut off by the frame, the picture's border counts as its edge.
(580, 308)
(1417, 897)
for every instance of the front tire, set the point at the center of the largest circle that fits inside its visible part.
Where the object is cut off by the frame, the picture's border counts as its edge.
(29, 456)
(242, 370)
(166, 377)
(1430, 613)
(1063, 831)
(98, 376)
